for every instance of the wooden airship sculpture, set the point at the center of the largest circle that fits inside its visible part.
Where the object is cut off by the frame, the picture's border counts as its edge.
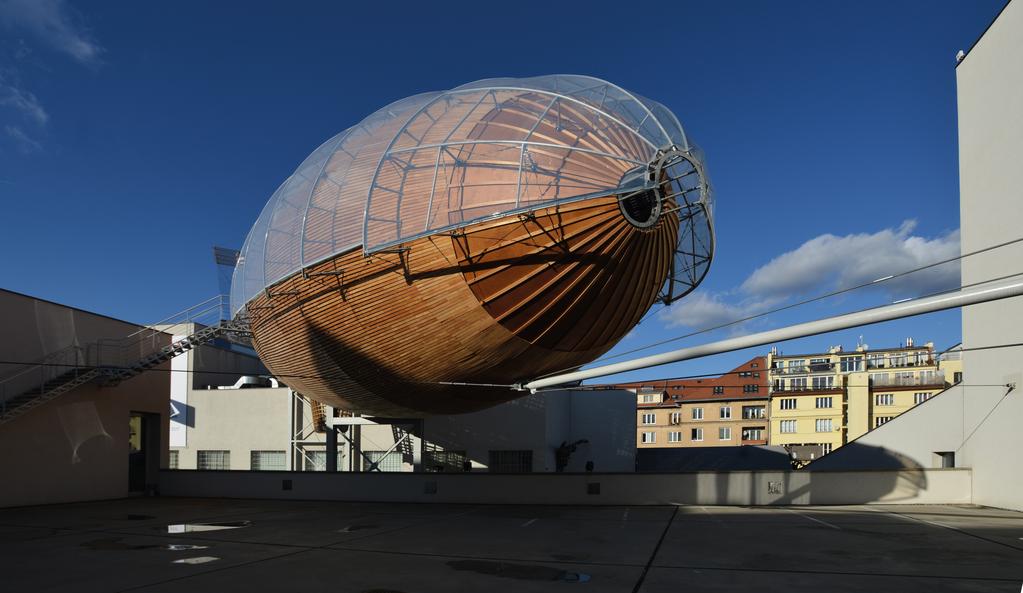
(488, 234)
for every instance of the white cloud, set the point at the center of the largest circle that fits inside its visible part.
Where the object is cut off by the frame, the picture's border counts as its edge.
(54, 23)
(12, 95)
(703, 309)
(24, 142)
(828, 263)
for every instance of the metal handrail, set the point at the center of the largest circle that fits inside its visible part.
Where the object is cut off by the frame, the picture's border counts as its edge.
(112, 353)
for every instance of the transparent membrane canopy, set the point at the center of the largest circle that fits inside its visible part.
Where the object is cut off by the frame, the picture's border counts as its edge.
(439, 161)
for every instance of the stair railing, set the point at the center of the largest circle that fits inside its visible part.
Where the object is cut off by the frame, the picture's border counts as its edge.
(117, 354)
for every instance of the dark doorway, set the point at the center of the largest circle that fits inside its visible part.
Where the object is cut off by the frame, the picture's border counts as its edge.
(143, 452)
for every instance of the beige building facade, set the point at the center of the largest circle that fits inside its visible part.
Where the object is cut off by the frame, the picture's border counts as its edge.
(821, 401)
(730, 410)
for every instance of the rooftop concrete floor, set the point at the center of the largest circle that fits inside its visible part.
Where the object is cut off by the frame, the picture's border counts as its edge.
(122, 545)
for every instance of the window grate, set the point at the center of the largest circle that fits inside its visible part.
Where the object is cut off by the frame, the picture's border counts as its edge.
(213, 460)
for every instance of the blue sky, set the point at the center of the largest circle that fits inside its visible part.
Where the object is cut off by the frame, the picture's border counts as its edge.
(135, 136)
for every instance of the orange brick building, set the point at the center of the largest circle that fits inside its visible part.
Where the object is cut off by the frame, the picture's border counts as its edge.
(728, 410)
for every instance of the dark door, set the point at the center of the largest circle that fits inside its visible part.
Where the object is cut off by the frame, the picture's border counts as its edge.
(136, 453)
(143, 451)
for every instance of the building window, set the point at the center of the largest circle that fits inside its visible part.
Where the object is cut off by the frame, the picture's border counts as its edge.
(267, 460)
(919, 398)
(726, 412)
(752, 412)
(823, 382)
(850, 364)
(647, 438)
(718, 389)
(316, 461)
(755, 433)
(391, 462)
(518, 462)
(745, 373)
(754, 365)
(676, 417)
(787, 426)
(697, 413)
(796, 366)
(649, 418)
(647, 398)
(885, 399)
(213, 460)
(674, 437)
(725, 433)
(797, 384)
(957, 377)
(788, 403)
(875, 361)
(823, 425)
(696, 434)
(435, 460)
(826, 448)
(172, 459)
(754, 388)
(878, 421)
(819, 364)
(824, 402)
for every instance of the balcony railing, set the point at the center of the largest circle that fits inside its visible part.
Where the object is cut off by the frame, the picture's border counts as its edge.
(862, 364)
(934, 378)
(789, 389)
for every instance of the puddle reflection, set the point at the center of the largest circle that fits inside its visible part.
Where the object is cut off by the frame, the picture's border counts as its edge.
(194, 527)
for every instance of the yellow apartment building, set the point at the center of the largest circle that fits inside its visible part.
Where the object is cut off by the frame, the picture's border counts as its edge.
(820, 402)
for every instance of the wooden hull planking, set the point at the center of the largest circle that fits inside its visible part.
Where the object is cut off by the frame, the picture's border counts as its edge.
(495, 302)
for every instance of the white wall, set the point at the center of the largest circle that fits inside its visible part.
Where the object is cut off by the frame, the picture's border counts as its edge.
(911, 440)
(74, 447)
(239, 421)
(705, 488)
(990, 94)
(541, 422)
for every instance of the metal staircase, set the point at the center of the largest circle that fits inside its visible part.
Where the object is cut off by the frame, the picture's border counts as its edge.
(109, 362)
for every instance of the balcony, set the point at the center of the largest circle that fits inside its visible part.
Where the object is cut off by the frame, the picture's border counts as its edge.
(808, 389)
(936, 378)
(803, 370)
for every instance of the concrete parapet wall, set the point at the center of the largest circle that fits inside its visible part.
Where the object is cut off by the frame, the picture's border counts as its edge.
(908, 486)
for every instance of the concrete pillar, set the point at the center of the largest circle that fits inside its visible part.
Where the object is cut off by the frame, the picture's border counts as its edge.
(332, 449)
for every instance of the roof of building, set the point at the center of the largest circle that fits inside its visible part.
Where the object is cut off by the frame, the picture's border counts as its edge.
(732, 385)
(855, 352)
